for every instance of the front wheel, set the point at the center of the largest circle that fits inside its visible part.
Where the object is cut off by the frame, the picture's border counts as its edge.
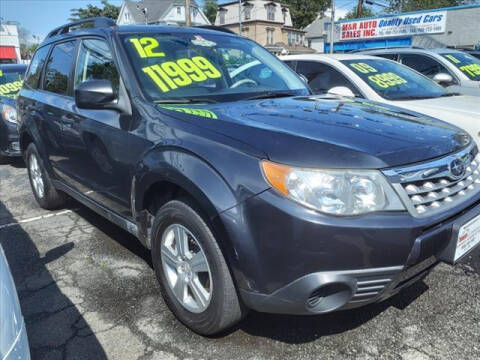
(194, 277)
(45, 193)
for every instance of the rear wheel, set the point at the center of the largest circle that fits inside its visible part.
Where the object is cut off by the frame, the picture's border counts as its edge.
(45, 193)
(194, 277)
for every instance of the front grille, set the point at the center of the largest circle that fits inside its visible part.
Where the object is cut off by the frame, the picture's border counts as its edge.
(430, 188)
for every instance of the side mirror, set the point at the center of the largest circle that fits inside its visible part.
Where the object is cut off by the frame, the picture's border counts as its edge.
(95, 94)
(443, 78)
(341, 91)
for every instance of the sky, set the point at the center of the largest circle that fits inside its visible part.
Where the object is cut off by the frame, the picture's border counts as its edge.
(41, 16)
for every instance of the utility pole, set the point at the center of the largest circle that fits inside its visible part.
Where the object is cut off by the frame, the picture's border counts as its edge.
(240, 17)
(332, 25)
(360, 8)
(188, 21)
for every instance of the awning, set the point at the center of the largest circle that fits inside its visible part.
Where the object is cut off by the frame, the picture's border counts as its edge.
(7, 52)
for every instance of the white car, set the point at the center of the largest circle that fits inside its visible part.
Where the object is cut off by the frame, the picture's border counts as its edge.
(13, 335)
(381, 80)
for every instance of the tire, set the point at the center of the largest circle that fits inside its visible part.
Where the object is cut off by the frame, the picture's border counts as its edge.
(222, 308)
(45, 193)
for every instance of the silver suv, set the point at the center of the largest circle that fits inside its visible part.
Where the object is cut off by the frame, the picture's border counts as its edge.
(453, 69)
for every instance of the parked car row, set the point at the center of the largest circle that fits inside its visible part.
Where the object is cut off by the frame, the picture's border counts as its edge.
(252, 191)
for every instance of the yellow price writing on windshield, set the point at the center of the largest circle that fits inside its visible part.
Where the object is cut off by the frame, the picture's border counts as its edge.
(11, 87)
(146, 46)
(452, 58)
(472, 69)
(173, 74)
(386, 80)
(363, 68)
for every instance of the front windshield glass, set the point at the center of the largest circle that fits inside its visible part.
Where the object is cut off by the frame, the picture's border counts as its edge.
(466, 63)
(10, 82)
(393, 81)
(207, 67)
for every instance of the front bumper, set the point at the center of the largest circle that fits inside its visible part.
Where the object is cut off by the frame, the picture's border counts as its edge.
(289, 259)
(9, 139)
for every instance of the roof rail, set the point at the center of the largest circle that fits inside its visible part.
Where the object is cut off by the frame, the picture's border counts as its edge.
(217, 28)
(387, 47)
(95, 22)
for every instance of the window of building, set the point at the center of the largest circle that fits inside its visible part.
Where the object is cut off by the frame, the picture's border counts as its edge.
(179, 10)
(35, 69)
(290, 38)
(59, 67)
(248, 12)
(127, 16)
(95, 62)
(271, 12)
(270, 36)
(222, 17)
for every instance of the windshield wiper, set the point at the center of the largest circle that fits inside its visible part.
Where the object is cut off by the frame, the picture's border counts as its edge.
(185, 101)
(270, 95)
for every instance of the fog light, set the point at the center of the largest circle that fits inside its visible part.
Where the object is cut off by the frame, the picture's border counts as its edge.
(15, 146)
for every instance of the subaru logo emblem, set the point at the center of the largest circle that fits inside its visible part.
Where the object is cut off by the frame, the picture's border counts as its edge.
(457, 169)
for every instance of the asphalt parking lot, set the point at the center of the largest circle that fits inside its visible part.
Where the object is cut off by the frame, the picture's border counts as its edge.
(88, 291)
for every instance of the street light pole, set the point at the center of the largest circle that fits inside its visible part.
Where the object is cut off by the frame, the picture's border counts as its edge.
(332, 24)
(240, 17)
(188, 21)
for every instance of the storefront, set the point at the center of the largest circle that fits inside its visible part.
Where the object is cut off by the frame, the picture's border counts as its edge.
(9, 43)
(455, 27)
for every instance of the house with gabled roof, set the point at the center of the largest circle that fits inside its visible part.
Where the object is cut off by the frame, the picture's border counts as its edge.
(164, 12)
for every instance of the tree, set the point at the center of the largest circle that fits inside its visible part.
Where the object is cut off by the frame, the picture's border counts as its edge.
(108, 10)
(210, 8)
(413, 5)
(353, 14)
(305, 11)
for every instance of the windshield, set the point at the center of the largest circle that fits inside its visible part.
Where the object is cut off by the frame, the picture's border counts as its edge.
(393, 81)
(210, 68)
(11, 82)
(466, 63)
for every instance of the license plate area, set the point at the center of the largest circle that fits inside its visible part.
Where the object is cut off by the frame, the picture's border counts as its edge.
(465, 237)
(468, 238)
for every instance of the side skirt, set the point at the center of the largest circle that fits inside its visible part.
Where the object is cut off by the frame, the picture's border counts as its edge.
(118, 220)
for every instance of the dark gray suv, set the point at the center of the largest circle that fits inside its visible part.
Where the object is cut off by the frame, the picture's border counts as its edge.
(250, 192)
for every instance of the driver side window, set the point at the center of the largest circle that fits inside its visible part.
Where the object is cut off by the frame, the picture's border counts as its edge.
(95, 62)
(322, 77)
(423, 64)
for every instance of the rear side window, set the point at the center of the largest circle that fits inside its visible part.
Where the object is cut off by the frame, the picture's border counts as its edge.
(423, 64)
(95, 62)
(59, 67)
(322, 78)
(35, 70)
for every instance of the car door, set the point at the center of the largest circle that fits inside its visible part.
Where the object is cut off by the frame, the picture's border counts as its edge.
(96, 159)
(322, 77)
(56, 100)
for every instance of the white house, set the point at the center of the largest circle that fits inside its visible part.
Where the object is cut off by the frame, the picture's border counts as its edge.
(9, 43)
(165, 12)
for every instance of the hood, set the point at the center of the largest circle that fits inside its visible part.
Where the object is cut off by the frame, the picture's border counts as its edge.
(8, 101)
(462, 104)
(462, 111)
(328, 132)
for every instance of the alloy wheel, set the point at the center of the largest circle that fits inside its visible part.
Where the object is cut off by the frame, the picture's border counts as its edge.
(36, 176)
(186, 268)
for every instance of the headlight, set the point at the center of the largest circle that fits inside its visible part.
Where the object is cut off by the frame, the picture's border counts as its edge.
(9, 113)
(335, 192)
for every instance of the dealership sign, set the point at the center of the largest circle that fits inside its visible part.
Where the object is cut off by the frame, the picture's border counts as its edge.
(402, 25)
